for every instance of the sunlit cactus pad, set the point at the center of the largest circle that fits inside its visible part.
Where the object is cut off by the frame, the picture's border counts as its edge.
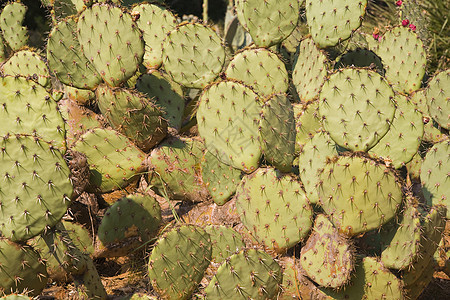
(65, 58)
(228, 119)
(23, 270)
(35, 190)
(438, 98)
(404, 58)
(193, 55)
(11, 19)
(358, 193)
(27, 63)
(356, 107)
(261, 69)
(251, 273)
(268, 22)
(178, 261)
(155, 22)
(331, 22)
(26, 107)
(103, 30)
(274, 208)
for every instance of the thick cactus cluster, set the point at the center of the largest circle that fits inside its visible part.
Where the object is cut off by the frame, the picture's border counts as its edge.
(291, 155)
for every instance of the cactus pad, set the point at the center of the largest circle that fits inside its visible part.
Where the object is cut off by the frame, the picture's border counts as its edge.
(66, 59)
(358, 193)
(11, 19)
(111, 41)
(356, 107)
(403, 139)
(128, 223)
(112, 158)
(23, 270)
(155, 22)
(261, 69)
(193, 55)
(274, 208)
(259, 17)
(309, 70)
(404, 58)
(225, 242)
(178, 261)
(327, 257)
(133, 115)
(228, 119)
(36, 189)
(438, 98)
(27, 63)
(331, 22)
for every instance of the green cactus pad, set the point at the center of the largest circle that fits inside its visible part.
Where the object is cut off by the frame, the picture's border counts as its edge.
(261, 69)
(274, 208)
(179, 260)
(309, 70)
(278, 132)
(356, 107)
(66, 59)
(433, 225)
(111, 41)
(80, 237)
(11, 19)
(155, 22)
(268, 23)
(193, 55)
(331, 22)
(228, 119)
(27, 108)
(419, 99)
(312, 160)
(133, 115)
(327, 257)
(434, 175)
(166, 94)
(27, 63)
(403, 139)
(81, 96)
(16, 297)
(23, 270)
(220, 179)
(360, 58)
(371, 281)
(402, 244)
(249, 274)
(438, 98)
(36, 188)
(225, 242)
(113, 159)
(89, 285)
(175, 168)
(358, 193)
(404, 58)
(128, 223)
(307, 123)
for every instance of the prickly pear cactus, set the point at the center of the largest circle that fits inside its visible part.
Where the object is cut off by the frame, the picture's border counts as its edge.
(28, 164)
(27, 63)
(193, 55)
(356, 108)
(11, 19)
(103, 30)
(438, 98)
(358, 193)
(327, 257)
(178, 261)
(128, 223)
(261, 69)
(23, 270)
(225, 242)
(256, 18)
(331, 22)
(228, 119)
(265, 196)
(250, 273)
